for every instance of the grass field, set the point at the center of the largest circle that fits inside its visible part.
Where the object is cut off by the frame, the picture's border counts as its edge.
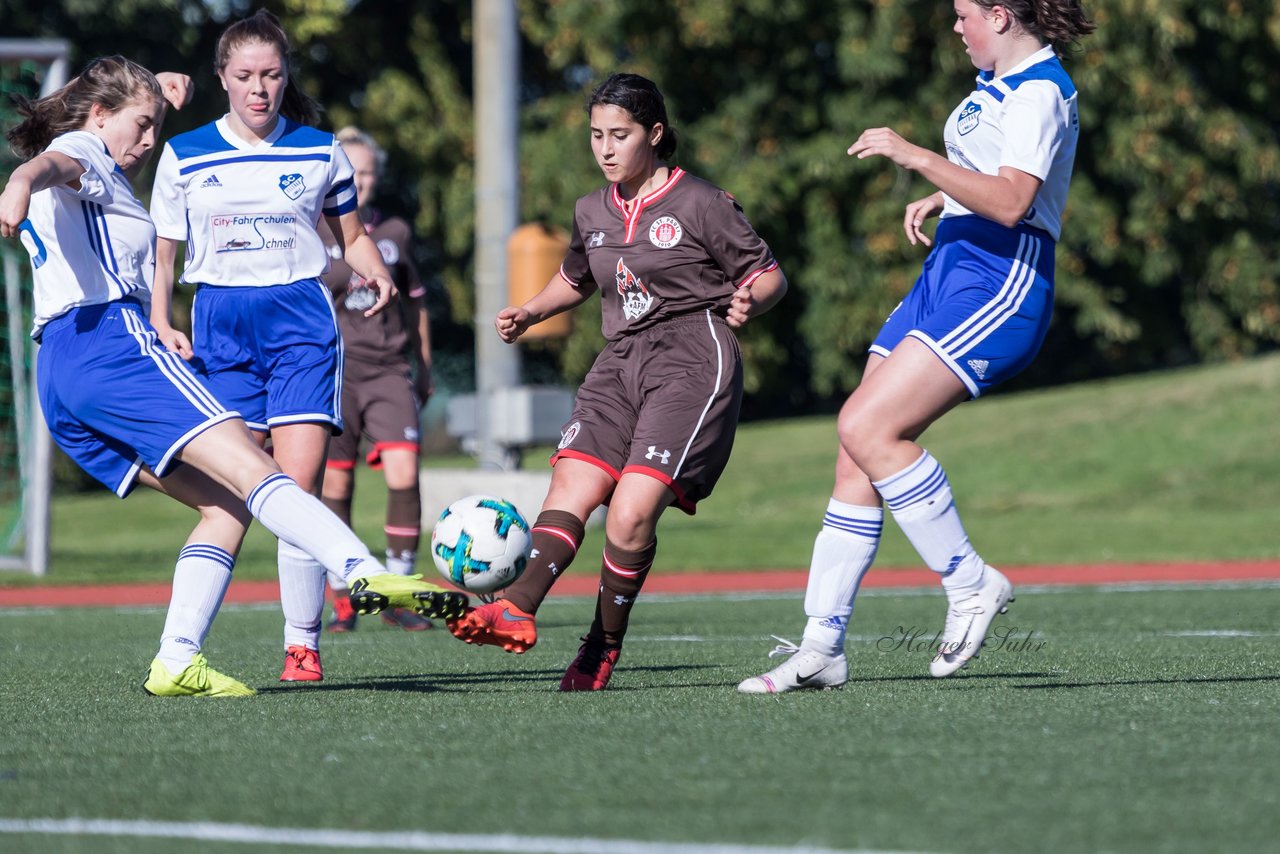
(1178, 465)
(1110, 720)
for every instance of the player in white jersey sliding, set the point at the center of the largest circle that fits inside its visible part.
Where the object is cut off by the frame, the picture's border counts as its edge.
(120, 405)
(975, 318)
(246, 193)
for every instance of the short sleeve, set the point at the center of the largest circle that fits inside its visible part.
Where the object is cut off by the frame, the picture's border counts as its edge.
(91, 153)
(576, 270)
(733, 244)
(341, 197)
(169, 198)
(1041, 116)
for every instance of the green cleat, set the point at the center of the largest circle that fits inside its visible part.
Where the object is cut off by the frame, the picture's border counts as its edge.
(375, 593)
(197, 680)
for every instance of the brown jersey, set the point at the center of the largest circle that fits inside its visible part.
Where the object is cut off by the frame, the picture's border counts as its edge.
(683, 248)
(388, 336)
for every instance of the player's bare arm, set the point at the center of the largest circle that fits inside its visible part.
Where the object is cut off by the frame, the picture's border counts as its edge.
(1004, 198)
(556, 297)
(754, 300)
(362, 255)
(174, 340)
(40, 173)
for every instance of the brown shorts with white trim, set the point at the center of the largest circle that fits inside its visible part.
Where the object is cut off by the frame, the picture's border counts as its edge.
(662, 402)
(378, 404)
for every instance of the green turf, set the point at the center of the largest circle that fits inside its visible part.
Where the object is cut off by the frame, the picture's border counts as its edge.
(1111, 721)
(1178, 465)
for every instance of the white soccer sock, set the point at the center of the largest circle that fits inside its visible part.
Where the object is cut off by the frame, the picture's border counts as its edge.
(301, 595)
(919, 497)
(200, 580)
(401, 563)
(300, 519)
(842, 553)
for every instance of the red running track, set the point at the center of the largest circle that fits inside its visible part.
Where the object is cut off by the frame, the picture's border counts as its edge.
(583, 584)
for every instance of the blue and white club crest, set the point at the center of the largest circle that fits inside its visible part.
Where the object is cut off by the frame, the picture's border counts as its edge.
(969, 117)
(292, 185)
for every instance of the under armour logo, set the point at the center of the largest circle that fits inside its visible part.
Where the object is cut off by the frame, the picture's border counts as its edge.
(555, 570)
(660, 457)
(597, 239)
(621, 600)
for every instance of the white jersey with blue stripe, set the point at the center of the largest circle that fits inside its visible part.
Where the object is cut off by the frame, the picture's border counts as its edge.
(247, 212)
(1025, 118)
(91, 245)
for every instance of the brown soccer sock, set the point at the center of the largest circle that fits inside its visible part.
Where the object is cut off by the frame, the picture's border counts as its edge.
(404, 520)
(341, 508)
(556, 537)
(622, 574)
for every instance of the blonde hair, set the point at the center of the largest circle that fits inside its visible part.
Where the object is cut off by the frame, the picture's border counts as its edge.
(352, 135)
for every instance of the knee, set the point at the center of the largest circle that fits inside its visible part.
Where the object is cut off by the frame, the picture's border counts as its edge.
(225, 521)
(858, 433)
(629, 528)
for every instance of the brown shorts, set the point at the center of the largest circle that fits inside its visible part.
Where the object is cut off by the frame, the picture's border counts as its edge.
(662, 402)
(379, 405)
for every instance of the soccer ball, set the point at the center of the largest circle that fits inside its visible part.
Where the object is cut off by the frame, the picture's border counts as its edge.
(481, 543)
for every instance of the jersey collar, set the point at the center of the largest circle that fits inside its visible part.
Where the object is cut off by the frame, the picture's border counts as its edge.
(244, 145)
(632, 219)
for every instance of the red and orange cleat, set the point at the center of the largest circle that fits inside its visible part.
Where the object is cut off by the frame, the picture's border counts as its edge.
(591, 670)
(498, 623)
(344, 616)
(301, 664)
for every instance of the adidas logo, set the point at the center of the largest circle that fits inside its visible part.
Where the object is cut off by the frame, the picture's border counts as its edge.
(211, 181)
(979, 367)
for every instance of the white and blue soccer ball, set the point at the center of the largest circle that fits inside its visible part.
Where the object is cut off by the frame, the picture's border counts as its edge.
(481, 543)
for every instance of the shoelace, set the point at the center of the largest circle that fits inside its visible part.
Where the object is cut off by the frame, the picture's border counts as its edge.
(784, 647)
(592, 655)
(299, 659)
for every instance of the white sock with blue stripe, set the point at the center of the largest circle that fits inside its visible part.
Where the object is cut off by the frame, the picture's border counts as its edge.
(919, 497)
(200, 580)
(842, 554)
(299, 518)
(301, 595)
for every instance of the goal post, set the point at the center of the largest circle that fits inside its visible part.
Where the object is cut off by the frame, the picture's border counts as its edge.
(33, 68)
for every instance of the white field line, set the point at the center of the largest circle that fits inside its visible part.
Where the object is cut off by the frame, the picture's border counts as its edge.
(387, 840)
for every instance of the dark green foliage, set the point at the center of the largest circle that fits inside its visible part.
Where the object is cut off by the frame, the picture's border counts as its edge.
(1168, 254)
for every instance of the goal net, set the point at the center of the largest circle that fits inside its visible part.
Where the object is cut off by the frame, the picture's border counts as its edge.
(32, 68)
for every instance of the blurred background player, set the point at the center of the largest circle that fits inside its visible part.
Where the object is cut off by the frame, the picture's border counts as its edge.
(123, 407)
(246, 192)
(677, 266)
(386, 380)
(974, 319)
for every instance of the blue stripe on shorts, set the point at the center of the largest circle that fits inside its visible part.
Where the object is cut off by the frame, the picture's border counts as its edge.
(982, 303)
(115, 398)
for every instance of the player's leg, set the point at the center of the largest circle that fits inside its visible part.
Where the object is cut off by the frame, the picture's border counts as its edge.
(299, 450)
(843, 551)
(200, 580)
(877, 425)
(587, 464)
(227, 454)
(337, 495)
(338, 491)
(629, 550)
(403, 524)
(577, 488)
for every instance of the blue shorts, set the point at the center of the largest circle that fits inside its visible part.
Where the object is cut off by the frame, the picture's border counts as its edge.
(273, 353)
(115, 398)
(982, 303)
